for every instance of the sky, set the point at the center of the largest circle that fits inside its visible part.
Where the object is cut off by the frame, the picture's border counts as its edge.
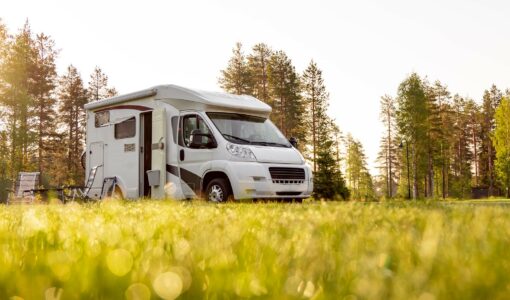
(365, 48)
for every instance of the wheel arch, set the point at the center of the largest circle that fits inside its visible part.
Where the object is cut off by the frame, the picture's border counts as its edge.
(210, 175)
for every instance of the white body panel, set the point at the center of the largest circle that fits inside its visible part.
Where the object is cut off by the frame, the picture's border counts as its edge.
(182, 169)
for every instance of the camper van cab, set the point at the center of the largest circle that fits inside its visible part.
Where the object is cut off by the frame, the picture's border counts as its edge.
(173, 142)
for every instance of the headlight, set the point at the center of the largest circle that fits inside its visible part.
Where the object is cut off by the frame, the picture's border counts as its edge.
(241, 152)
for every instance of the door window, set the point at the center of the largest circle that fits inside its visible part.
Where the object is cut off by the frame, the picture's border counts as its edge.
(190, 123)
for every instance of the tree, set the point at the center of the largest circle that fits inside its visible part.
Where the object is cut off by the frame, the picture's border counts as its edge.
(316, 100)
(284, 87)
(461, 154)
(236, 78)
(17, 76)
(329, 182)
(258, 67)
(491, 99)
(474, 117)
(73, 97)
(98, 86)
(388, 155)
(501, 140)
(359, 180)
(44, 110)
(411, 117)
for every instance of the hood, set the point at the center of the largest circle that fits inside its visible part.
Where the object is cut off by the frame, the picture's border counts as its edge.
(265, 154)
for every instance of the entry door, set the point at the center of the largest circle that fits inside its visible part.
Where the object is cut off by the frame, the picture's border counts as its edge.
(96, 158)
(159, 145)
(193, 162)
(145, 153)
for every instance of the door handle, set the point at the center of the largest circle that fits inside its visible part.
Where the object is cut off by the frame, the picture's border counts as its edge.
(181, 154)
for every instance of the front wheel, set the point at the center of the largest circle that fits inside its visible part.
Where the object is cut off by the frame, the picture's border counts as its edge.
(218, 190)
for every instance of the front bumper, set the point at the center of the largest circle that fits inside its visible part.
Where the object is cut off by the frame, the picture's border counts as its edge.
(251, 180)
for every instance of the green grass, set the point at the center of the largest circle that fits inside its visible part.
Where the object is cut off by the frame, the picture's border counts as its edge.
(278, 251)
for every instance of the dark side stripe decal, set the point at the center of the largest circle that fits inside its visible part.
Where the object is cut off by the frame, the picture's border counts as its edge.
(191, 179)
(172, 170)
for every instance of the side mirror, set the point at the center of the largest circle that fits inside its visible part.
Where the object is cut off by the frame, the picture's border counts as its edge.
(197, 141)
(293, 142)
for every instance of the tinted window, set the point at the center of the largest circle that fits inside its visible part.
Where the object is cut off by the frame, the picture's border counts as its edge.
(190, 123)
(125, 129)
(175, 120)
(102, 118)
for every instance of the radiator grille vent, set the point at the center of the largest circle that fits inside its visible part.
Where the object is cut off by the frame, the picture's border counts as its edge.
(287, 175)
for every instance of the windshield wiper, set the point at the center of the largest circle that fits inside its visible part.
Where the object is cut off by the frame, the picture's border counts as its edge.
(270, 144)
(237, 138)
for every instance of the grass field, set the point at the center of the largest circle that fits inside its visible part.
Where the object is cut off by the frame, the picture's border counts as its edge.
(152, 250)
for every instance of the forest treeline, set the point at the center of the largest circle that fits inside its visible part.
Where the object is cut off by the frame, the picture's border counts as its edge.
(42, 119)
(300, 104)
(436, 145)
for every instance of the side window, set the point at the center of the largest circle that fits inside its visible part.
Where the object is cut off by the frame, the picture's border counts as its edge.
(125, 129)
(190, 123)
(101, 118)
(175, 121)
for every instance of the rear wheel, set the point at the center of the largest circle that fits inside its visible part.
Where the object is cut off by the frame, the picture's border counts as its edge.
(218, 190)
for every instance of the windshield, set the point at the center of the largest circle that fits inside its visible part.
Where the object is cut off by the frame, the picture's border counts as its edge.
(245, 129)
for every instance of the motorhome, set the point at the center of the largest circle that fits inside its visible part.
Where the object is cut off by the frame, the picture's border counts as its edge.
(173, 142)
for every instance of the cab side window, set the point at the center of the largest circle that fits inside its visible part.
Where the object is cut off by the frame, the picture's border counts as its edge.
(190, 124)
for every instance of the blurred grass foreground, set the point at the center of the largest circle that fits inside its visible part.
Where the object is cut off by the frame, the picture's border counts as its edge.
(169, 250)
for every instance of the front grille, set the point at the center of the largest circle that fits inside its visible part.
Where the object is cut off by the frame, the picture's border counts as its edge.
(287, 175)
(281, 181)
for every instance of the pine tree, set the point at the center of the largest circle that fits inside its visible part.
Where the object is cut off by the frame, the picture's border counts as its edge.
(501, 140)
(73, 96)
(359, 180)
(16, 74)
(329, 182)
(316, 100)
(5, 183)
(461, 150)
(258, 66)
(473, 125)
(44, 110)
(284, 89)
(236, 78)
(487, 156)
(412, 117)
(387, 156)
(98, 86)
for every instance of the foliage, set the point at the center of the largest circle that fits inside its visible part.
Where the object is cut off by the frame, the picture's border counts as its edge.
(73, 97)
(359, 180)
(490, 101)
(258, 65)
(387, 156)
(316, 99)
(320, 251)
(98, 86)
(33, 137)
(236, 78)
(329, 182)
(284, 86)
(501, 141)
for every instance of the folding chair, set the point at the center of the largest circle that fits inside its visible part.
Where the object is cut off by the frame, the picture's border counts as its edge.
(24, 187)
(82, 192)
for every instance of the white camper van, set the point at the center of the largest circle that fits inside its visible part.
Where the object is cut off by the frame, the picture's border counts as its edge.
(170, 141)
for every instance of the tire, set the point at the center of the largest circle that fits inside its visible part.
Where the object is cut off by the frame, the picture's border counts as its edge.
(218, 190)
